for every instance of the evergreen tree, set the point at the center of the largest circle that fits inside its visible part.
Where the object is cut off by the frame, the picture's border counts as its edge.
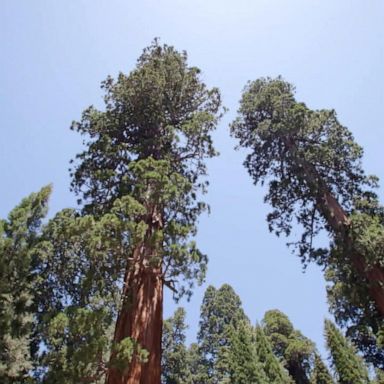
(148, 148)
(238, 361)
(314, 173)
(80, 293)
(271, 366)
(294, 349)
(348, 366)
(320, 373)
(196, 368)
(220, 309)
(175, 368)
(19, 234)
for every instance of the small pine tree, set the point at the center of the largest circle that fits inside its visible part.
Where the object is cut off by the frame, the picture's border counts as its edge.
(320, 373)
(220, 309)
(239, 358)
(195, 366)
(348, 366)
(174, 357)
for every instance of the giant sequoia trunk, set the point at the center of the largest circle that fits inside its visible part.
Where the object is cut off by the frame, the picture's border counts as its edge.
(338, 220)
(140, 316)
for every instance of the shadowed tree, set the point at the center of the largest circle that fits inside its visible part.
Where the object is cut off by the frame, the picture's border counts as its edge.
(288, 344)
(149, 144)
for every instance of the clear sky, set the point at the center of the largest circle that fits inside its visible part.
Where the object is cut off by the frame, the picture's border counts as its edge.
(54, 54)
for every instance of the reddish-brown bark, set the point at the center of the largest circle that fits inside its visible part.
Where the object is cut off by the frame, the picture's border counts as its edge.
(338, 220)
(140, 316)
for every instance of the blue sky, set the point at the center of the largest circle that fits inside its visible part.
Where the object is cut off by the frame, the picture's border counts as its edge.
(54, 54)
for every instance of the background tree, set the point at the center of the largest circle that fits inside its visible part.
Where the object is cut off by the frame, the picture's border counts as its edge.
(272, 367)
(220, 309)
(348, 366)
(313, 168)
(81, 291)
(238, 361)
(175, 368)
(19, 234)
(195, 365)
(294, 349)
(320, 373)
(150, 144)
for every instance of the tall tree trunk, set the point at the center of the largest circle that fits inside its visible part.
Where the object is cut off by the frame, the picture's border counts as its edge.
(338, 220)
(141, 314)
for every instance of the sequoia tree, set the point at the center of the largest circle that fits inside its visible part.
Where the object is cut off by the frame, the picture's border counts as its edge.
(313, 168)
(295, 350)
(149, 145)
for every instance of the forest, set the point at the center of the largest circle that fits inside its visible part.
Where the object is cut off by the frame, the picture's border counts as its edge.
(81, 293)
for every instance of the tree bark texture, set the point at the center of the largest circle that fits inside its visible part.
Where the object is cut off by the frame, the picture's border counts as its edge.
(338, 220)
(140, 317)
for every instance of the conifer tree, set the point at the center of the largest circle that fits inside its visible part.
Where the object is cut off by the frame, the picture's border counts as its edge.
(148, 147)
(197, 371)
(294, 349)
(19, 234)
(82, 260)
(348, 366)
(175, 368)
(313, 168)
(320, 373)
(220, 309)
(238, 361)
(271, 366)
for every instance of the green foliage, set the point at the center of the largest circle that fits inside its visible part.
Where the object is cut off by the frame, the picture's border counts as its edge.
(143, 161)
(348, 366)
(220, 309)
(125, 350)
(348, 292)
(195, 366)
(79, 286)
(150, 143)
(282, 135)
(175, 368)
(320, 373)
(76, 340)
(239, 359)
(273, 369)
(294, 349)
(312, 164)
(19, 234)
